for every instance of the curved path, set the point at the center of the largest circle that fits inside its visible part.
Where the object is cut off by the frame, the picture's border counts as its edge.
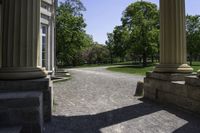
(99, 101)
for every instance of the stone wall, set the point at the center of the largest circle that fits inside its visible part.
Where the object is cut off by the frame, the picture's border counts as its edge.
(184, 93)
(43, 85)
(23, 109)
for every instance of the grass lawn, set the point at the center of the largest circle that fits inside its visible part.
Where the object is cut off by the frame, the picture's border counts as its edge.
(93, 65)
(196, 66)
(138, 70)
(102, 65)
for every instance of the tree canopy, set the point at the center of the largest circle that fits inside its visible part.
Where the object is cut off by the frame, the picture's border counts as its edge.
(138, 34)
(71, 36)
(193, 36)
(137, 38)
(74, 45)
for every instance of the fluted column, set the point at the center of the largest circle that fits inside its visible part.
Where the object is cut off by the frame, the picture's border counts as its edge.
(173, 55)
(21, 38)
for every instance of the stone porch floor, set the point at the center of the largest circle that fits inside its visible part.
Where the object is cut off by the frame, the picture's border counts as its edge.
(98, 101)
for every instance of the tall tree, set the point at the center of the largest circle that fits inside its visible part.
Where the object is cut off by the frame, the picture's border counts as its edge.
(141, 19)
(70, 31)
(121, 40)
(193, 36)
(110, 46)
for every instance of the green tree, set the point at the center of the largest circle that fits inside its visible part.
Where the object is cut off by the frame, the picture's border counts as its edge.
(141, 19)
(110, 46)
(96, 54)
(193, 36)
(121, 41)
(70, 31)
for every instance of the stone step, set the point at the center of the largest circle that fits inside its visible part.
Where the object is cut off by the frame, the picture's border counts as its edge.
(11, 129)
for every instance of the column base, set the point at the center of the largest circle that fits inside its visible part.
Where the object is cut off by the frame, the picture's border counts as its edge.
(168, 76)
(173, 68)
(22, 73)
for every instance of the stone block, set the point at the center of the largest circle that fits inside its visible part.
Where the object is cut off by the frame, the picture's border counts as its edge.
(149, 86)
(140, 89)
(192, 81)
(48, 103)
(179, 101)
(179, 93)
(22, 109)
(24, 85)
(194, 93)
(11, 130)
(44, 85)
(150, 96)
(178, 88)
(168, 76)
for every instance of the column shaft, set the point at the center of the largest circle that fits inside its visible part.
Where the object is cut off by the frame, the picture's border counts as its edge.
(173, 56)
(21, 30)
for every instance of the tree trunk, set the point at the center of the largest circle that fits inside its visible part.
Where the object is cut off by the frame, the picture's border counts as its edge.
(144, 56)
(190, 58)
(111, 59)
(152, 59)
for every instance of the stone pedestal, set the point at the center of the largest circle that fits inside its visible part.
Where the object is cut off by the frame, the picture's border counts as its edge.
(19, 72)
(23, 109)
(173, 55)
(43, 85)
(184, 94)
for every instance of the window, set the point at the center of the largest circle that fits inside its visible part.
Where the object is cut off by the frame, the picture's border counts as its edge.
(44, 40)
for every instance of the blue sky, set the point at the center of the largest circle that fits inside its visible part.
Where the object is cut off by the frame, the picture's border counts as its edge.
(103, 15)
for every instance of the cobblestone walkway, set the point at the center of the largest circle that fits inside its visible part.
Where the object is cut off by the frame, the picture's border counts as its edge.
(99, 101)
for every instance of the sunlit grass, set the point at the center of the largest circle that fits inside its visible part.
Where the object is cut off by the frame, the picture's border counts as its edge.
(139, 70)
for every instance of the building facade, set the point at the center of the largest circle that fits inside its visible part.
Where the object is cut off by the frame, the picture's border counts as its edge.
(47, 35)
(47, 30)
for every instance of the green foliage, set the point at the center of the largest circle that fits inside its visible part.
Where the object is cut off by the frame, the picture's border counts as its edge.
(74, 46)
(121, 38)
(96, 54)
(141, 18)
(139, 33)
(71, 36)
(110, 46)
(193, 36)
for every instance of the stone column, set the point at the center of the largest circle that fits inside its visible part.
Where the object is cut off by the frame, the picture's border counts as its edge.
(173, 56)
(21, 38)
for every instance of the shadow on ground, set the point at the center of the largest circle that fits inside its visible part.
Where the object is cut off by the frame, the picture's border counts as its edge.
(93, 123)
